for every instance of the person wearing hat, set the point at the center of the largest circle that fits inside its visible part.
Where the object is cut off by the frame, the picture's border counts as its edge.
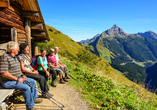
(26, 68)
(52, 62)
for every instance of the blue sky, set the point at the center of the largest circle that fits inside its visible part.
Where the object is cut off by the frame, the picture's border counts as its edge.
(83, 19)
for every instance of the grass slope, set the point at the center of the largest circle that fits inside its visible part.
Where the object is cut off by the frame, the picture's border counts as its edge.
(102, 86)
(62, 41)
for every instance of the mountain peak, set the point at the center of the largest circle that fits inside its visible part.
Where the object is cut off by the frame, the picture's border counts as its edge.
(115, 30)
(114, 25)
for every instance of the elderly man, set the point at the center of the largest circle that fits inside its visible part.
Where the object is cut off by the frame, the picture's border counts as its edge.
(62, 66)
(11, 76)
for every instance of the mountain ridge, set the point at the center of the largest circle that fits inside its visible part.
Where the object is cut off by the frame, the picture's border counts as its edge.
(118, 47)
(149, 34)
(117, 30)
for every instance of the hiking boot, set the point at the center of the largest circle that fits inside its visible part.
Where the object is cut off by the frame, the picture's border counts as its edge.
(49, 94)
(38, 100)
(31, 108)
(65, 79)
(53, 84)
(61, 81)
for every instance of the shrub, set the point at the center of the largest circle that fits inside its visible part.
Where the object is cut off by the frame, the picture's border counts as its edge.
(50, 30)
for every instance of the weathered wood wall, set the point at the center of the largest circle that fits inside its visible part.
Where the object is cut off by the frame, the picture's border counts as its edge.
(22, 21)
(11, 17)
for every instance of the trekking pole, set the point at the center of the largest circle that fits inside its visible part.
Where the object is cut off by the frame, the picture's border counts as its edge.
(72, 77)
(69, 75)
(45, 93)
(41, 92)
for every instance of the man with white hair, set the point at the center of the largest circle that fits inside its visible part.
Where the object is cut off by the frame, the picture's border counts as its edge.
(12, 77)
(62, 66)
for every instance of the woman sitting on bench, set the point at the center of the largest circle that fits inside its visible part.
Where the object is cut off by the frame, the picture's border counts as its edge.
(44, 69)
(52, 61)
(26, 68)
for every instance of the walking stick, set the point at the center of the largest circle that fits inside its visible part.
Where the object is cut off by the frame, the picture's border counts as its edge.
(72, 77)
(47, 95)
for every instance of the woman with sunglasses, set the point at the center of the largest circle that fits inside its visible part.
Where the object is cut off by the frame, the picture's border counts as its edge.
(44, 69)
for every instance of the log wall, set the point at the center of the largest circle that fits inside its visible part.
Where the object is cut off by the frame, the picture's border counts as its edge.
(11, 17)
(22, 21)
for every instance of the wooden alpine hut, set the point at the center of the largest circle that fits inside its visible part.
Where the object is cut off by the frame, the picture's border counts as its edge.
(21, 21)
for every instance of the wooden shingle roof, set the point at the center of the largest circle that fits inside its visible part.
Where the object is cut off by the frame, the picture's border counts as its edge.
(33, 6)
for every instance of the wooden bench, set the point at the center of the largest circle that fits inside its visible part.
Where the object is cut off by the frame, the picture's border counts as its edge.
(4, 93)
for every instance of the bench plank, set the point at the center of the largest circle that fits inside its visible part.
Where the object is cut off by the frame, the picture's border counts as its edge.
(4, 93)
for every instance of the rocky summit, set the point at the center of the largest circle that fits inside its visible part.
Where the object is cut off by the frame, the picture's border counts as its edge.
(115, 30)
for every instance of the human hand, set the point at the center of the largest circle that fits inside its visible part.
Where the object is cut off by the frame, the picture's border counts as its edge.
(36, 72)
(58, 66)
(21, 80)
(47, 73)
(24, 77)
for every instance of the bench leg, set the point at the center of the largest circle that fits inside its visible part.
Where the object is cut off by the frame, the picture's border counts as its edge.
(3, 106)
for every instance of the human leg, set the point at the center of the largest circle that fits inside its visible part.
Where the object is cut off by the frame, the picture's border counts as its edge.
(41, 79)
(65, 69)
(61, 75)
(22, 87)
(33, 91)
(53, 74)
(43, 73)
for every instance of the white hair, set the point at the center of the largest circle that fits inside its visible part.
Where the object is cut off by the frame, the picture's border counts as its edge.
(52, 50)
(55, 48)
(11, 45)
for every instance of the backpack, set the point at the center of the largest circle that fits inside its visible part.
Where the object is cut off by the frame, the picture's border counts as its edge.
(34, 61)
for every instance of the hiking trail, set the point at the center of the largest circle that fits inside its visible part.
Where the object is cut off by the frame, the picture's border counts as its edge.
(64, 93)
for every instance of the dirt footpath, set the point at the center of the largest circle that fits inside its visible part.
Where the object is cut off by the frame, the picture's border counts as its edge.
(63, 93)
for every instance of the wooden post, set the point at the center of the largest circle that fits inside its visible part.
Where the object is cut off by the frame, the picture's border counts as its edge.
(14, 34)
(28, 33)
(34, 48)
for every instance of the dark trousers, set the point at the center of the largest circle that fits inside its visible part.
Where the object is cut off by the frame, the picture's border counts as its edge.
(41, 79)
(52, 74)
